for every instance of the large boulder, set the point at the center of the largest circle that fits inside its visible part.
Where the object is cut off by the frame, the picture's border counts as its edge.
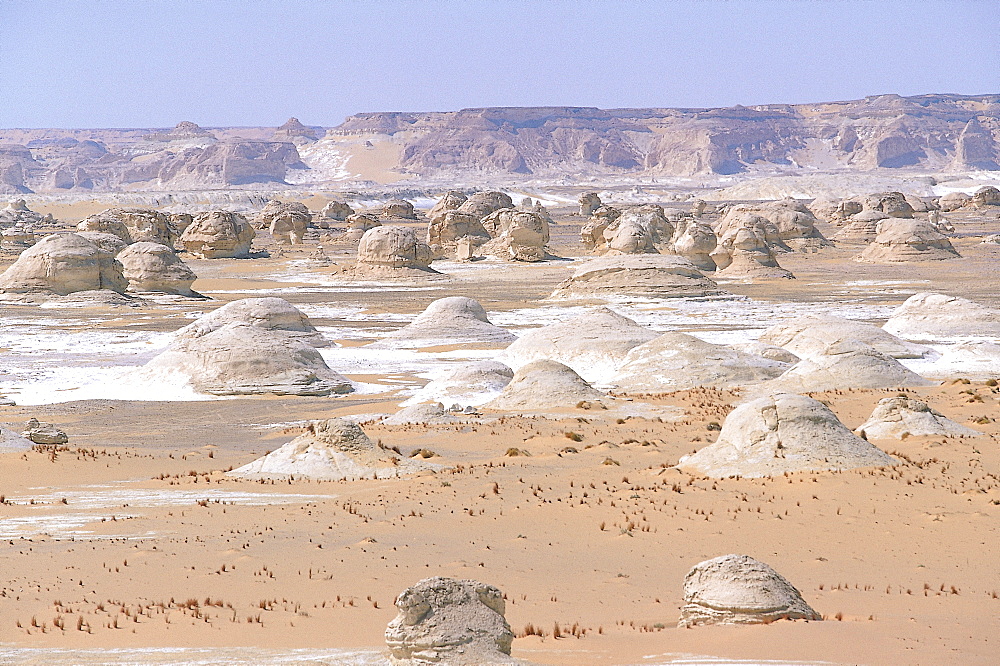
(393, 252)
(745, 254)
(450, 201)
(589, 202)
(629, 235)
(795, 223)
(448, 227)
(472, 384)
(450, 622)
(398, 208)
(900, 240)
(986, 196)
(517, 235)
(219, 235)
(780, 433)
(939, 315)
(482, 204)
(358, 224)
(811, 335)
(268, 314)
(108, 243)
(594, 344)
(287, 222)
(336, 210)
(893, 204)
(592, 233)
(901, 416)
(63, 264)
(952, 201)
(675, 361)
(637, 276)
(547, 385)
(134, 225)
(695, 241)
(455, 320)
(737, 589)
(330, 450)
(155, 267)
(861, 228)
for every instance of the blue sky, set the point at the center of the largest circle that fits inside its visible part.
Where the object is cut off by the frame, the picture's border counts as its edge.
(152, 63)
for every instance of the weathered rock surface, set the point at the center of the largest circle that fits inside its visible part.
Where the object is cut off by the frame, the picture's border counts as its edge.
(219, 234)
(939, 315)
(745, 254)
(11, 441)
(393, 252)
(287, 222)
(517, 235)
(155, 267)
(895, 418)
(737, 589)
(269, 314)
(63, 264)
(592, 233)
(953, 201)
(17, 213)
(793, 222)
(901, 240)
(133, 225)
(451, 200)
(399, 208)
(782, 432)
(589, 202)
(861, 228)
(891, 204)
(845, 364)
(637, 276)
(330, 450)
(336, 210)
(446, 228)
(358, 224)
(695, 241)
(472, 384)
(43, 433)
(455, 320)
(547, 385)
(450, 622)
(482, 204)
(811, 335)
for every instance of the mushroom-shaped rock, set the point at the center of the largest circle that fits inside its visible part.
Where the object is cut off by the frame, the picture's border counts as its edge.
(737, 589)
(40, 432)
(393, 251)
(398, 208)
(939, 315)
(482, 204)
(893, 204)
(845, 364)
(594, 344)
(637, 276)
(779, 433)
(811, 335)
(330, 450)
(546, 385)
(448, 321)
(695, 241)
(675, 361)
(750, 217)
(450, 201)
(219, 234)
(336, 210)
(268, 314)
(155, 267)
(446, 228)
(897, 417)
(901, 240)
(287, 222)
(589, 202)
(795, 223)
(517, 235)
(472, 384)
(745, 254)
(133, 225)
(63, 264)
(592, 233)
(861, 228)
(450, 622)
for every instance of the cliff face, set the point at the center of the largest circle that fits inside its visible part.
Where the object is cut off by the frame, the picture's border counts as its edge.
(928, 132)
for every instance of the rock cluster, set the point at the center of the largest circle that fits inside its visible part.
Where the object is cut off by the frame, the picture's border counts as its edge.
(156, 268)
(219, 235)
(637, 276)
(133, 225)
(448, 321)
(744, 253)
(482, 204)
(358, 224)
(516, 235)
(63, 264)
(448, 228)
(898, 417)
(589, 202)
(901, 239)
(695, 241)
(43, 433)
(861, 228)
(393, 252)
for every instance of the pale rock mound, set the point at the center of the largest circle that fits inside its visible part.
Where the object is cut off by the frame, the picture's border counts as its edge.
(133, 225)
(268, 314)
(695, 241)
(835, 211)
(450, 201)
(399, 208)
(155, 267)
(953, 201)
(592, 233)
(108, 243)
(10, 441)
(892, 204)
(986, 196)
(467, 385)
(737, 589)
(767, 351)
(482, 204)
(450, 622)
(546, 385)
(783, 432)
(43, 433)
(181, 221)
(287, 222)
(358, 224)
(901, 240)
(973, 359)
(676, 361)
(393, 252)
(517, 235)
(811, 335)
(795, 223)
(63, 264)
(637, 276)
(940, 315)
(447, 228)
(894, 418)
(629, 235)
(448, 321)
(745, 254)
(846, 364)
(330, 450)
(589, 202)
(594, 344)
(861, 228)
(219, 235)
(336, 210)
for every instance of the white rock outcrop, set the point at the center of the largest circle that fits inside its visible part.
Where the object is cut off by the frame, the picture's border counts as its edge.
(156, 268)
(745, 254)
(897, 417)
(219, 235)
(782, 433)
(455, 320)
(516, 235)
(941, 316)
(637, 276)
(811, 335)
(393, 252)
(901, 239)
(133, 225)
(547, 385)
(63, 264)
(467, 385)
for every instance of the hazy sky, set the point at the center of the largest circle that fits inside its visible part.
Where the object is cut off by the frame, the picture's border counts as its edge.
(152, 63)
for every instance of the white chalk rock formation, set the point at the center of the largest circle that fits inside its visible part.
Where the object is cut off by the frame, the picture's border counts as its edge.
(594, 344)
(269, 314)
(737, 589)
(482, 204)
(40, 432)
(745, 254)
(695, 241)
(133, 225)
(939, 315)
(589, 202)
(448, 227)
(845, 364)
(861, 228)
(676, 361)
(63, 264)
(629, 234)
(547, 385)
(783, 432)
(399, 208)
(108, 243)
(517, 235)
(893, 204)
(795, 223)
(450, 622)
(900, 240)
(287, 222)
(897, 417)
(448, 321)
(811, 335)
(330, 450)
(155, 267)
(10, 441)
(952, 201)
(219, 235)
(592, 233)
(767, 351)
(393, 252)
(467, 385)
(451, 200)
(336, 210)
(636, 276)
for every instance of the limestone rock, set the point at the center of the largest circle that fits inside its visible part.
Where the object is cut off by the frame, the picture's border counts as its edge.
(482, 204)
(455, 320)
(268, 314)
(399, 208)
(845, 364)
(861, 228)
(155, 267)
(63, 264)
(953, 201)
(593, 344)
(11, 441)
(939, 315)
(795, 223)
(546, 385)
(105, 224)
(219, 234)
(901, 240)
(675, 361)
(472, 384)
(516, 235)
(895, 417)
(745, 254)
(181, 221)
(450, 622)
(628, 235)
(892, 204)
(986, 196)
(393, 252)
(737, 589)
(695, 241)
(446, 228)
(287, 222)
(811, 335)
(43, 433)
(767, 351)
(589, 202)
(975, 148)
(637, 276)
(133, 225)
(592, 233)
(330, 450)
(336, 210)
(451, 200)
(17, 214)
(358, 224)
(779, 433)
